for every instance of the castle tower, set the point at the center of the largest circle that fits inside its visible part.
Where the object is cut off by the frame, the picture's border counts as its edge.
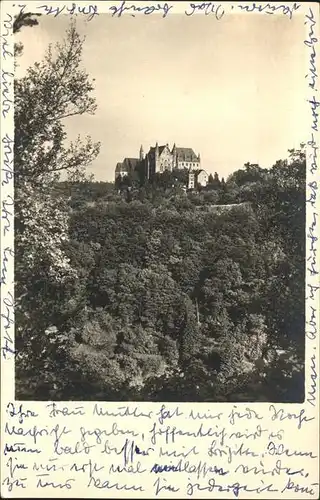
(174, 156)
(141, 154)
(147, 167)
(156, 157)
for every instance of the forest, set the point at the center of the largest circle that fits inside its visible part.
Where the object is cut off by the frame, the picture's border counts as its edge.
(140, 290)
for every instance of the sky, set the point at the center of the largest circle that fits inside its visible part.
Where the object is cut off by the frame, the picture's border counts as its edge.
(233, 90)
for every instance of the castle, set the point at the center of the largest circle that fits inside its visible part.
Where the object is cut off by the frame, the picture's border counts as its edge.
(161, 158)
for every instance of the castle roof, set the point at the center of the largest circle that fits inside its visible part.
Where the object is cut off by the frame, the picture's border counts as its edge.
(183, 154)
(131, 163)
(119, 167)
(128, 165)
(186, 154)
(152, 150)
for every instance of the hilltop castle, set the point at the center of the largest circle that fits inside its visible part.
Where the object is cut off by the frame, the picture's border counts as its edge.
(161, 158)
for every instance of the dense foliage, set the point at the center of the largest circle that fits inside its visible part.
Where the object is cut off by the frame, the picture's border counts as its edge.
(142, 290)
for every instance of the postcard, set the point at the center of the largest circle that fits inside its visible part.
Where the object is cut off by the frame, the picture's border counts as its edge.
(160, 250)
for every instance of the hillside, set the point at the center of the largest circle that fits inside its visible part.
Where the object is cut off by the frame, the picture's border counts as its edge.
(181, 296)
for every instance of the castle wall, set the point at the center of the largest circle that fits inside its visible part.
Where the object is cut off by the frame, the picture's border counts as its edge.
(164, 161)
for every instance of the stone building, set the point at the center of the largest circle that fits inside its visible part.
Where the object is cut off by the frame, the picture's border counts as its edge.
(202, 177)
(127, 168)
(161, 158)
(197, 177)
(185, 158)
(158, 160)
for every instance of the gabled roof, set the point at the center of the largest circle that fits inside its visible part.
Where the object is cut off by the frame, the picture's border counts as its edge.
(162, 148)
(152, 150)
(128, 165)
(186, 154)
(197, 172)
(131, 163)
(119, 167)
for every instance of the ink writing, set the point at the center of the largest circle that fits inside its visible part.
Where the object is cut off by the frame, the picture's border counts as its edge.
(125, 7)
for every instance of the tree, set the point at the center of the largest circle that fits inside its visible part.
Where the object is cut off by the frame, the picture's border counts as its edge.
(214, 181)
(49, 93)
(21, 20)
(251, 173)
(24, 19)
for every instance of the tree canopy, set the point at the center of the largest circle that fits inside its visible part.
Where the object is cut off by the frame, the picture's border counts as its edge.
(149, 292)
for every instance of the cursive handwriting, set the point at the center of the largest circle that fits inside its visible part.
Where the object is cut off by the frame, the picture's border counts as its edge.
(132, 9)
(8, 307)
(249, 453)
(275, 471)
(280, 449)
(196, 415)
(313, 386)
(207, 8)
(314, 104)
(234, 488)
(6, 85)
(66, 412)
(36, 432)
(20, 412)
(268, 8)
(127, 451)
(165, 413)
(312, 272)
(7, 214)
(297, 488)
(311, 43)
(230, 451)
(248, 414)
(42, 483)
(313, 194)
(19, 448)
(98, 433)
(201, 469)
(7, 252)
(8, 25)
(90, 11)
(122, 411)
(311, 236)
(312, 291)
(14, 483)
(8, 159)
(162, 485)
(281, 414)
(106, 484)
(311, 333)
(313, 155)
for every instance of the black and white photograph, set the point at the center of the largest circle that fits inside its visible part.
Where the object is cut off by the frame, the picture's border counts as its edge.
(159, 187)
